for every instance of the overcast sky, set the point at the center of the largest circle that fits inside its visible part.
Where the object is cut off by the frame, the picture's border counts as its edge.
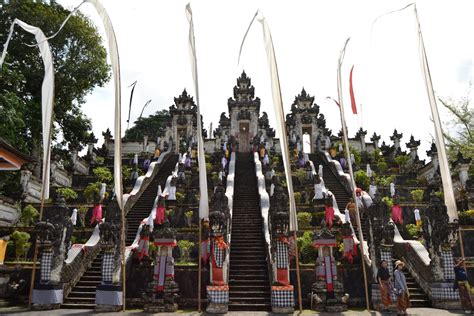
(308, 35)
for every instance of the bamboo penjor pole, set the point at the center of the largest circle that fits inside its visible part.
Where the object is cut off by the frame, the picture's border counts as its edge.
(351, 173)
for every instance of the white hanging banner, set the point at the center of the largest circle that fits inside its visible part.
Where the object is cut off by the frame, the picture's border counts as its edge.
(449, 199)
(279, 112)
(203, 200)
(47, 95)
(114, 59)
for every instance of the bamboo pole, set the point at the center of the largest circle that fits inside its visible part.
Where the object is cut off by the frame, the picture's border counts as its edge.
(122, 250)
(353, 185)
(35, 257)
(199, 267)
(298, 277)
(461, 245)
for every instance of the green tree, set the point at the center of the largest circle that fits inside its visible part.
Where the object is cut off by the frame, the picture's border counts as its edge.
(153, 126)
(80, 65)
(460, 131)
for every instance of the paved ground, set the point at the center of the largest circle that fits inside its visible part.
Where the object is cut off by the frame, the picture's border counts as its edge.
(411, 311)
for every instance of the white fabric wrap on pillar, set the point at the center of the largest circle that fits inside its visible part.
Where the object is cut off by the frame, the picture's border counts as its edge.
(47, 94)
(449, 199)
(203, 200)
(279, 112)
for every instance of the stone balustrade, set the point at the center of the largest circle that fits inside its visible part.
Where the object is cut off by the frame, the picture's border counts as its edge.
(9, 211)
(31, 187)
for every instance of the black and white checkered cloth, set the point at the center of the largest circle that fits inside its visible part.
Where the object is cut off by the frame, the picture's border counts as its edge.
(281, 255)
(218, 254)
(46, 262)
(217, 296)
(444, 291)
(108, 267)
(387, 256)
(448, 264)
(282, 298)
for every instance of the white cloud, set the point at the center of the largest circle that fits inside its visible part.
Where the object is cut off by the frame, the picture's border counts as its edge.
(308, 35)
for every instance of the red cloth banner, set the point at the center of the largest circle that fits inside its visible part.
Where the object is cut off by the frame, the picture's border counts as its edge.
(351, 91)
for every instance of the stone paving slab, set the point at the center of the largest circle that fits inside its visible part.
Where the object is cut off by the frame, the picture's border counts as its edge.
(411, 311)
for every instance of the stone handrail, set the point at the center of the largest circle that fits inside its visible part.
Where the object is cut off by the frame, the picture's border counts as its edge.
(78, 258)
(264, 209)
(143, 181)
(230, 197)
(129, 249)
(345, 179)
(337, 170)
(416, 258)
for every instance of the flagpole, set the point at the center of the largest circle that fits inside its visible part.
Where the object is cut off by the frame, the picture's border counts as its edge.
(353, 185)
(199, 266)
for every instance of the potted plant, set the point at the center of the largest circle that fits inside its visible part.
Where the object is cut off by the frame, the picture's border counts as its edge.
(185, 246)
(189, 217)
(67, 193)
(179, 197)
(417, 195)
(304, 219)
(28, 215)
(103, 174)
(169, 214)
(22, 244)
(82, 211)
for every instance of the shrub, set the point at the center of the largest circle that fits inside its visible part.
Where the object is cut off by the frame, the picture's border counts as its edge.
(189, 213)
(300, 173)
(362, 179)
(388, 201)
(170, 212)
(29, 215)
(91, 192)
(68, 193)
(82, 211)
(357, 155)
(439, 194)
(413, 231)
(103, 174)
(185, 246)
(179, 197)
(208, 167)
(305, 246)
(100, 160)
(401, 160)
(382, 166)
(385, 181)
(126, 172)
(297, 196)
(467, 214)
(21, 242)
(304, 219)
(417, 195)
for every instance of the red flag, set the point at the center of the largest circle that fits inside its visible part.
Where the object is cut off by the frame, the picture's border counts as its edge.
(351, 91)
(337, 103)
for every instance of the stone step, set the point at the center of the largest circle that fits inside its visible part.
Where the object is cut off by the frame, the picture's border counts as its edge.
(77, 306)
(90, 289)
(79, 299)
(88, 283)
(242, 277)
(261, 270)
(245, 294)
(75, 293)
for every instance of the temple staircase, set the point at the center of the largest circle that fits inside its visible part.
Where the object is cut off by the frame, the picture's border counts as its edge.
(418, 297)
(82, 296)
(249, 284)
(143, 206)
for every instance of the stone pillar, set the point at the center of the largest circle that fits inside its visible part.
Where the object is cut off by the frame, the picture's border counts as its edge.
(375, 139)
(53, 235)
(162, 291)
(396, 137)
(145, 143)
(282, 297)
(361, 135)
(327, 293)
(219, 218)
(109, 295)
(440, 235)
